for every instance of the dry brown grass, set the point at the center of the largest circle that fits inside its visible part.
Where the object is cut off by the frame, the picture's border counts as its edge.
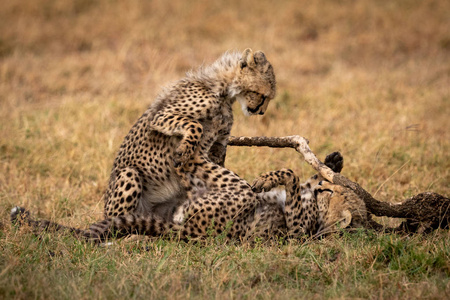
(368, 78)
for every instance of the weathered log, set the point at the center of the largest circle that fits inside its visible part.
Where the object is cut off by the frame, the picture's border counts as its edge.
(423, 212)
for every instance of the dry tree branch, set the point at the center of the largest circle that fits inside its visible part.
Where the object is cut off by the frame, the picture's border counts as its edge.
(424, 211)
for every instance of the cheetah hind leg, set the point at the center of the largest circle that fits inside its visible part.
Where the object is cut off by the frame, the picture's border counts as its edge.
(124, 194)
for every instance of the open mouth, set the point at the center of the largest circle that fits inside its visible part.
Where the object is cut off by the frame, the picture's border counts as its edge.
(317, 191)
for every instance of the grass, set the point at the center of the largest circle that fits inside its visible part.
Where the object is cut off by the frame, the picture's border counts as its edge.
(368, 78)
(360, 265)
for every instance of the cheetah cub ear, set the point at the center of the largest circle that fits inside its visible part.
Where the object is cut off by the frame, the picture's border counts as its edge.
(252, 59)
(260, 58)
(247, 58)
(346, 219)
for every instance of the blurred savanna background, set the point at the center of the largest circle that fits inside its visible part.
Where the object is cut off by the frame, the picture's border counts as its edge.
(368, 78)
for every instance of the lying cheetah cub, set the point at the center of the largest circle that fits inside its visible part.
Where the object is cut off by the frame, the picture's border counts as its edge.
(231, 206)
(191, 118)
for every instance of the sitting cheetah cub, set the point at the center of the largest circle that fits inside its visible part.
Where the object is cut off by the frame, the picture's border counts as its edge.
(191, 118)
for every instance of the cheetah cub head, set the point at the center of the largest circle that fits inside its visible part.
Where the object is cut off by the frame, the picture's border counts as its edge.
(256, 81)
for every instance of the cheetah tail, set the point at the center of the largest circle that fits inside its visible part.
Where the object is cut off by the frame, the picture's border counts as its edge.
(20, 216)
(99, 232)
(130, 224)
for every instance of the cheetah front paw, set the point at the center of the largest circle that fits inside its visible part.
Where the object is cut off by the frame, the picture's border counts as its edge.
(261, 185)
(270, 180)
(264, 183)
